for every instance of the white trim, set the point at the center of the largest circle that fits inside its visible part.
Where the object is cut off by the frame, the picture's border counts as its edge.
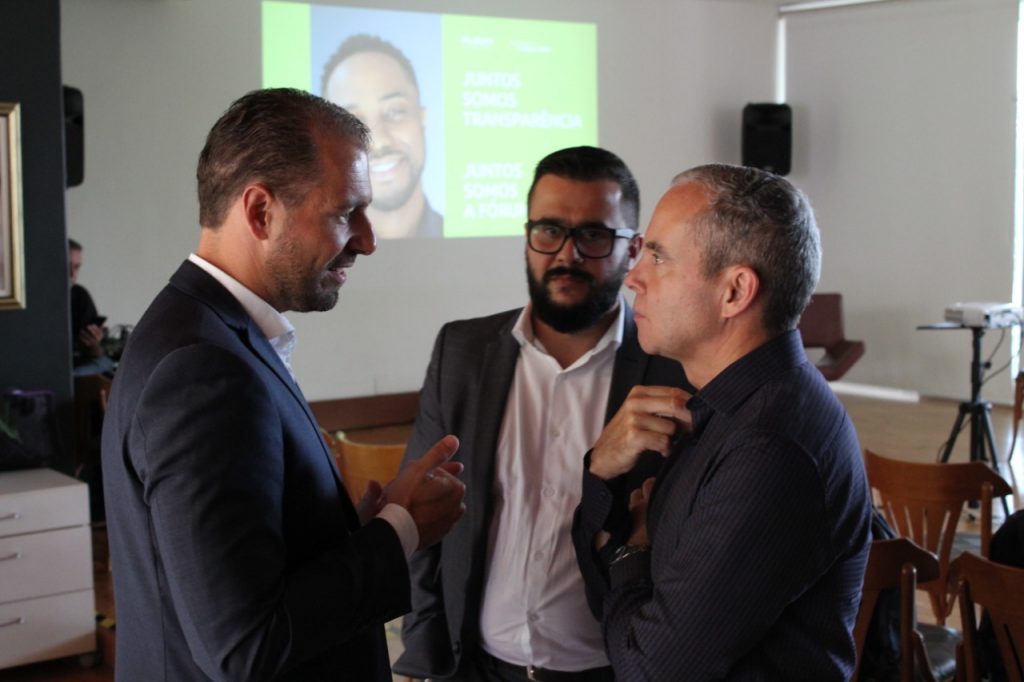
(1018, 198)
(879, 392)
(823, 4)
(780, 60)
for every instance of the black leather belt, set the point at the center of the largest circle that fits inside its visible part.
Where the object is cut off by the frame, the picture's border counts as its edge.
(530, 672)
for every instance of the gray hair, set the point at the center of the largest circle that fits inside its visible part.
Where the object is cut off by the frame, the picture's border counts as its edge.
(761, 220)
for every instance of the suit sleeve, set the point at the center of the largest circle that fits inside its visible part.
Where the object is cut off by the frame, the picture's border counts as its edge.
(208, 444)
(425, 636)
(753, 542)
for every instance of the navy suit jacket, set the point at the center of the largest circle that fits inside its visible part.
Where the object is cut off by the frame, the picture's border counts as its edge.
(465, 392)
(236, 552)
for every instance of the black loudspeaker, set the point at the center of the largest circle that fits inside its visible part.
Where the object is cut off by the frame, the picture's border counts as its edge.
(767, 137)
(74, 137)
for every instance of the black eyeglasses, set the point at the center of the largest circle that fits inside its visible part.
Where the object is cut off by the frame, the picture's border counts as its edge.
(592, 241)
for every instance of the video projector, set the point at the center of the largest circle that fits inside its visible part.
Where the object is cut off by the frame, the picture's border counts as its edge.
(984, 315)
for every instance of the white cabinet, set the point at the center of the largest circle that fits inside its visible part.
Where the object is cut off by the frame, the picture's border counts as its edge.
(47, 606)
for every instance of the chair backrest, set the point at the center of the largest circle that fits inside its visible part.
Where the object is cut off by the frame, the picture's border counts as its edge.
(895, 563)
(821, 326)
(999, 589)
(362, 462)
(923, 502)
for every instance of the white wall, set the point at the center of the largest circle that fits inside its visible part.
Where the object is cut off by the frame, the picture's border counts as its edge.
(675, 75)
(904, 141)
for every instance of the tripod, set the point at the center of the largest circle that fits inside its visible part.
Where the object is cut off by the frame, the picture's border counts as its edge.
(982, 445)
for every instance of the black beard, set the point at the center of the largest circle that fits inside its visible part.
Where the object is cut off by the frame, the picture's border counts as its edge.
(583, 315)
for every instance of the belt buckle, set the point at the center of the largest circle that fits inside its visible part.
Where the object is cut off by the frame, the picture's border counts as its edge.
(529, 674)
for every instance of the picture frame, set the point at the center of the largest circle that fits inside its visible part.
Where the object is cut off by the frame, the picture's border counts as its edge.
(12, 257)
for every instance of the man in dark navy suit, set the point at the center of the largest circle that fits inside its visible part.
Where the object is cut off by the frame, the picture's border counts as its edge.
(236, 553)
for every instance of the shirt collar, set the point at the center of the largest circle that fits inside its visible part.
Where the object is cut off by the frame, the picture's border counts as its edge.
(522, 331)
(275, 326)
(765, 363)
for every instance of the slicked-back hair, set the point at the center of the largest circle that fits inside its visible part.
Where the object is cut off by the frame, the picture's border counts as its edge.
(761, 220)
(589, 164)
(270, 136)
(364, 42)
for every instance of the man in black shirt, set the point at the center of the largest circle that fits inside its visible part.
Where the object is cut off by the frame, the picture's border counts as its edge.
(743, 558)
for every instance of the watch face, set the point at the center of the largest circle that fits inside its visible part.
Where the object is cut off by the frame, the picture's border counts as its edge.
(629, 550)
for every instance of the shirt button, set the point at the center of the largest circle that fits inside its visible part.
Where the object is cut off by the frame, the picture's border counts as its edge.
(533, 617)
(549, 492)
(538, 555)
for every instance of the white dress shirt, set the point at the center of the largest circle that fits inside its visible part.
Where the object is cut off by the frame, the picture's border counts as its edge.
(534, 610)
(281, 335)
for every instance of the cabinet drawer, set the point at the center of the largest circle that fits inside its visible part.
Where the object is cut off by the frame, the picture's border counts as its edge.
(41, 499)
(39, 564)
(51, 627)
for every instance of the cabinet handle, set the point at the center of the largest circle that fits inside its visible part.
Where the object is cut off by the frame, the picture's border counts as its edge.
(15, 621)
(13, 516)
(15, 555)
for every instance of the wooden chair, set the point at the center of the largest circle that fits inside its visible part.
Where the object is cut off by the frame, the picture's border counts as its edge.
(90, 406)
(821, 326)
(898, 563)
(923, 502)
(360, 462)
(999, 589)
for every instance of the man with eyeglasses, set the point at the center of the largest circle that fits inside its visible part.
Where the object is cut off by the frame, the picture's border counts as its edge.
(527, 392)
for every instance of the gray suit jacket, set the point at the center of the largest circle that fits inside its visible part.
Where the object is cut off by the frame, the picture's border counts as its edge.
(236, 552)
(465, 391)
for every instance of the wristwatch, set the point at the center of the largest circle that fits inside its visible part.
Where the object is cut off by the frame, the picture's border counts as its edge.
(626, 551)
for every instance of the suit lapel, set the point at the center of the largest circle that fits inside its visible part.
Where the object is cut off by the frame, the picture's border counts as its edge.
(500, 359)
(194, 281)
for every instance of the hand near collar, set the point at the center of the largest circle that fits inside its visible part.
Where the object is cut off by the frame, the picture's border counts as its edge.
(648, 419)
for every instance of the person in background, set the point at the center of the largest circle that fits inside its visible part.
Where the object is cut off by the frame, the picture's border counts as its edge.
(747, 549)
(237, 554)
(527, 391)
(87, 330)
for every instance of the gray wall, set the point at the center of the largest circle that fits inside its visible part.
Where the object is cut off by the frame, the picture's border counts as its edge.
(156, 75)
(674, 76)
(904, 141)
(34, 342)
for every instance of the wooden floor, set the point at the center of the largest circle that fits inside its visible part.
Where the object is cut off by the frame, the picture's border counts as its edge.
(911, 431)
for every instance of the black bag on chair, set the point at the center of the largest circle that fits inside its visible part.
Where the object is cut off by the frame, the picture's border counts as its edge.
(30, 439)
(880, 661)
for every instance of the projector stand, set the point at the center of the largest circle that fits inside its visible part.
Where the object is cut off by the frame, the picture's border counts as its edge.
(983, 445)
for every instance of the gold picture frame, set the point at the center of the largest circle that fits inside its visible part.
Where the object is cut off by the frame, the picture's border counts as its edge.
(12, 257)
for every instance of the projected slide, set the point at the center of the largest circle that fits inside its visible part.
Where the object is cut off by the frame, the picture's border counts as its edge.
(461, 107)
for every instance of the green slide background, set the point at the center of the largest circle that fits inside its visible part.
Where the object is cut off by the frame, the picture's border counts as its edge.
(547, 66)
(514, 91)
(286, 46)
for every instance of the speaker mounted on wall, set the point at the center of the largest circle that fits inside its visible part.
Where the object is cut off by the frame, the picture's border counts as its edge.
(74, 137)
(767, 137)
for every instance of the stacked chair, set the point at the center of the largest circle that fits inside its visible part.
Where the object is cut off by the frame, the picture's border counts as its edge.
(992, 651)
(923, 503)
(897, 564)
